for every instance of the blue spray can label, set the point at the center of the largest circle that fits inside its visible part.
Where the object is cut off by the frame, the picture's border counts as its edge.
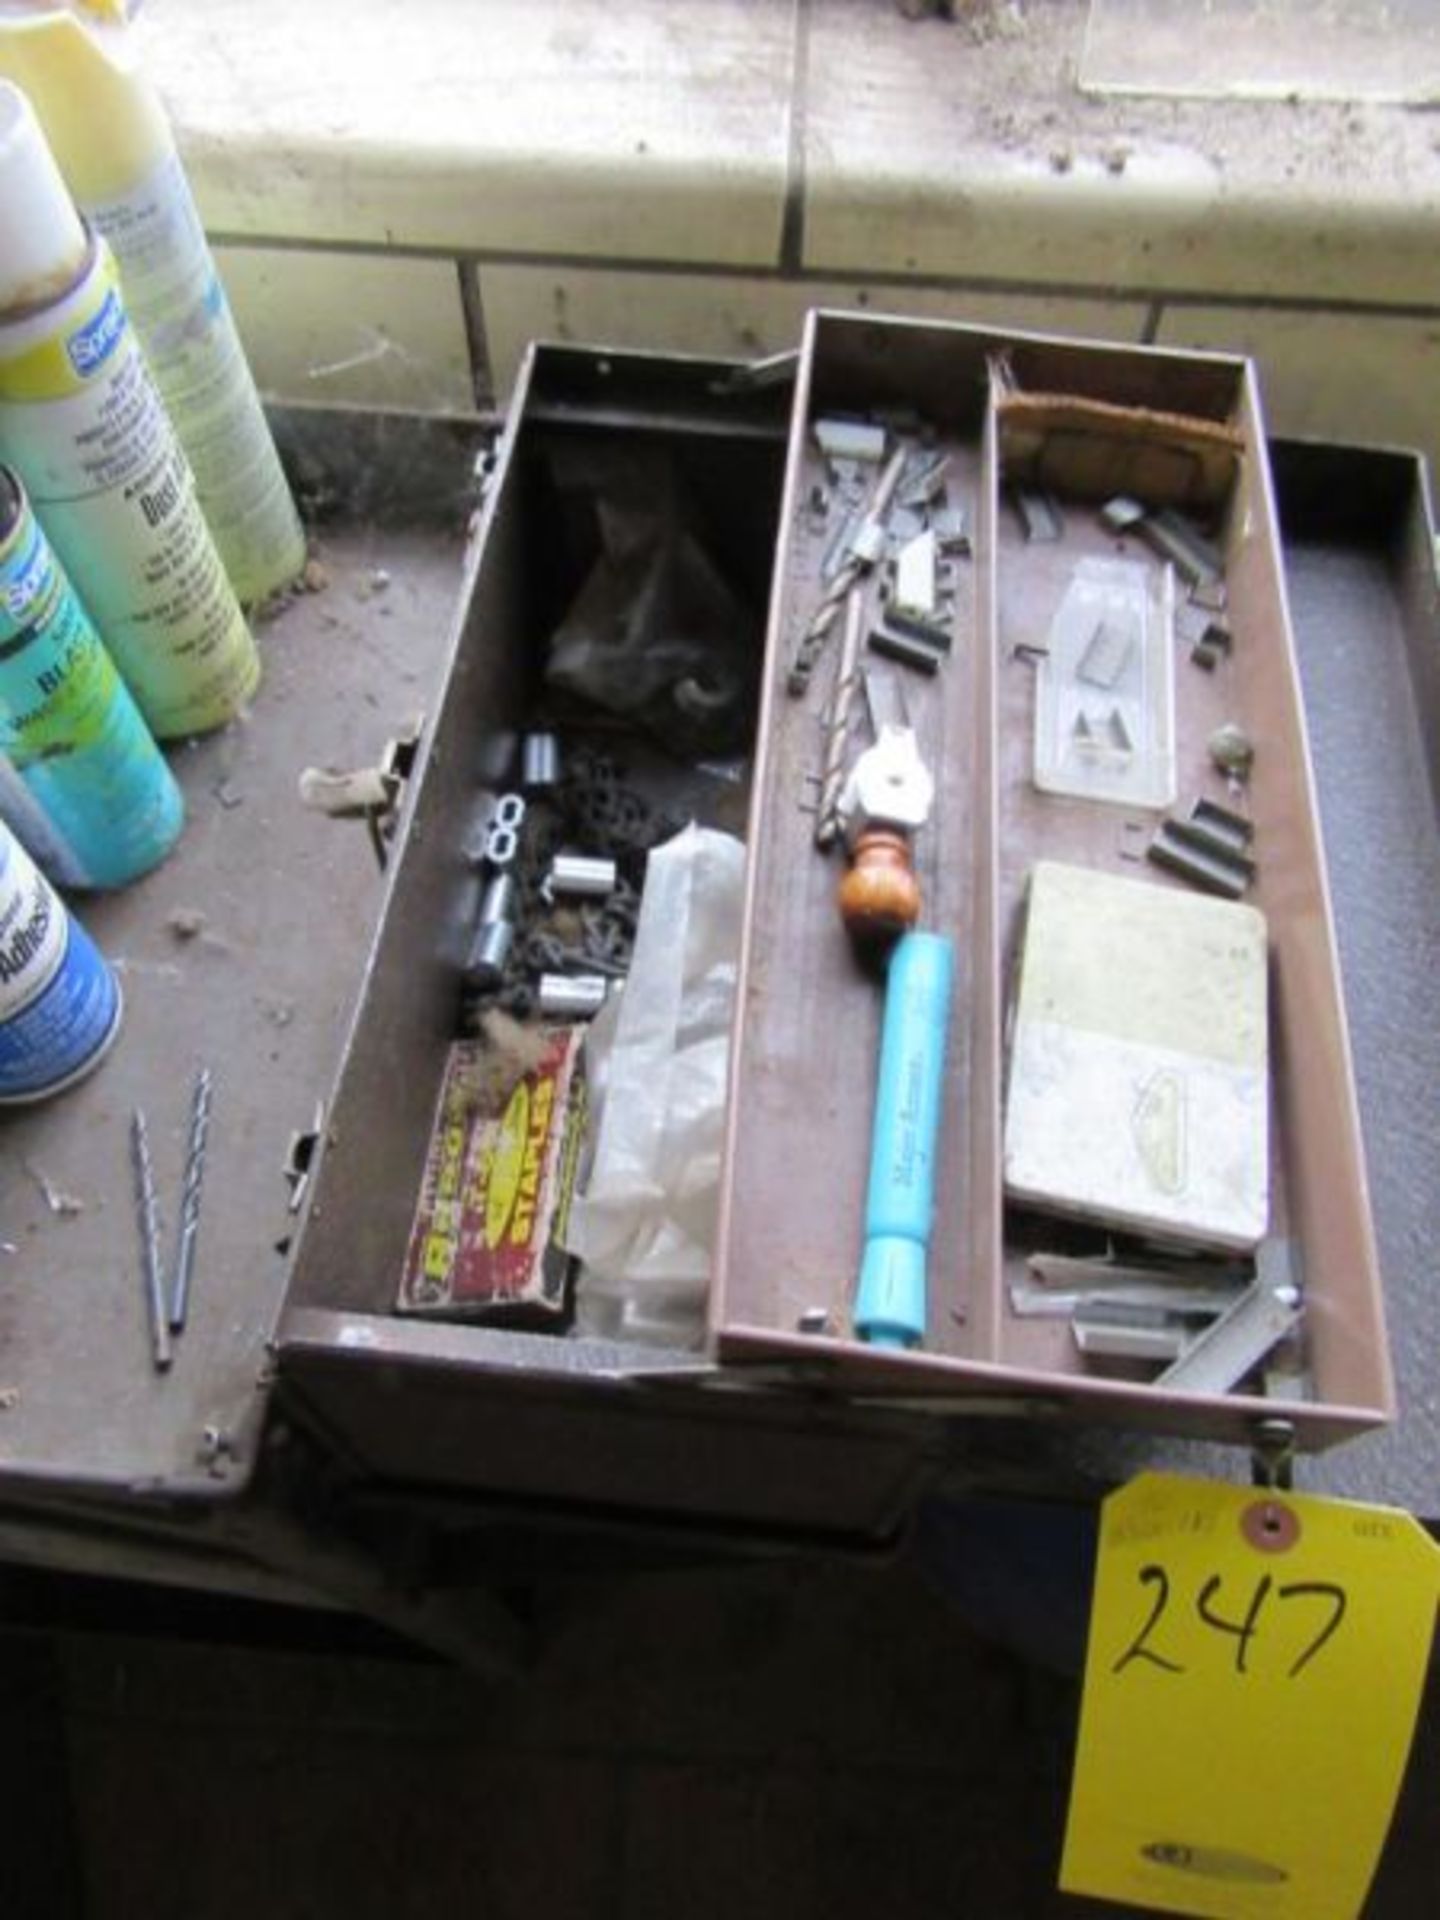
(68, 726)
(59, 1000)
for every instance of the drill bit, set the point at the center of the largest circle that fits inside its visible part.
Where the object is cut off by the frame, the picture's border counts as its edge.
(839, 725)
(813, 639)
(859, 546)
(149, 1241)
(190, 1201)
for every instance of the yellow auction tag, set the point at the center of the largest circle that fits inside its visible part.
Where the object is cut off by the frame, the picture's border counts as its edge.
(1251, 1685)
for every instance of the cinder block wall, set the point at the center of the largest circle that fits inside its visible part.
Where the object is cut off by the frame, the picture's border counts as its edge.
(403, 197)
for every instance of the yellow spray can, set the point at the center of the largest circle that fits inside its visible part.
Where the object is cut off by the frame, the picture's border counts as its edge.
(78, 63)
(82, 423)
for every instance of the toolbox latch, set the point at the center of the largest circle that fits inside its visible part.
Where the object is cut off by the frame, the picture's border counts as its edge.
(372, 794)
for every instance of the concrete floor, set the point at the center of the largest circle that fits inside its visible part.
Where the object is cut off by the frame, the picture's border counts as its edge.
(827, 1739)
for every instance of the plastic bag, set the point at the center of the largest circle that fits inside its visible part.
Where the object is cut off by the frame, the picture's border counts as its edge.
(656, 634)
(657, 1059)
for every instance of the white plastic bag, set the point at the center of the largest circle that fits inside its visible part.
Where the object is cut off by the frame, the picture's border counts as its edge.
(658, 1056)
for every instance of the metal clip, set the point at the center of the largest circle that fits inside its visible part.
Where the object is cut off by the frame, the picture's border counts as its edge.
(502, 836)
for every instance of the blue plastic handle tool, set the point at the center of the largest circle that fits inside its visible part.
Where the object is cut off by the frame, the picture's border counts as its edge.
(900, 1204)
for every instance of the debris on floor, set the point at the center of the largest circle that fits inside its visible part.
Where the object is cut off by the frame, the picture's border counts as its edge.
(56, 1199)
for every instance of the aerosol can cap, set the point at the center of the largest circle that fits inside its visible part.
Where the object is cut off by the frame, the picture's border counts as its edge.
(42, 241)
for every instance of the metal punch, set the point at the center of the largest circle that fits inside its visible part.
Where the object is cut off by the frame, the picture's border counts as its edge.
(498, 900)
(1173, 537)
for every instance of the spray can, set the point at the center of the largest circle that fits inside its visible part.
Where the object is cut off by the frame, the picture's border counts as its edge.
(82, 422)
(59, 999)
(30, 824)
(79, 66)
(68, 728)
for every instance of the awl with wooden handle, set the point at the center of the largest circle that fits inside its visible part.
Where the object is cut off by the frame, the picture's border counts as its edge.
(885, 801)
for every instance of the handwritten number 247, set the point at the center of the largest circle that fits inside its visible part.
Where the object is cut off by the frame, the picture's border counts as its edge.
(1243, 1628)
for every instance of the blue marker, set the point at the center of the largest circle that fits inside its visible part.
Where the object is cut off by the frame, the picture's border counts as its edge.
(900, 1204)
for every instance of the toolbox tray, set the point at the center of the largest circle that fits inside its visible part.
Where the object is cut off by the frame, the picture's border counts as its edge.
(1089, 419)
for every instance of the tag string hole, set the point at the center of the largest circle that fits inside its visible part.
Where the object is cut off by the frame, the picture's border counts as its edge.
(1270, 1527)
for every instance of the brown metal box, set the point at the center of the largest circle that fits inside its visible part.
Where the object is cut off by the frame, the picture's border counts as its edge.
(773, 1428)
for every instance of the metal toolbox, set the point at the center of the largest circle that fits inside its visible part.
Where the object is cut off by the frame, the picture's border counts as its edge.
(806, 1440)
(1092, 421)
(773, 1426)
(200, 1473)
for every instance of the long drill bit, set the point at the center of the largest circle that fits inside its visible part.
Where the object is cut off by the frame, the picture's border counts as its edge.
(190, 1201)
(812, 641)
(149, 1241)
(841, 719)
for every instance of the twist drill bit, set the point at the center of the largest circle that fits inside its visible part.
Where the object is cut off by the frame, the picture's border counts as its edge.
(149, 1241)
(812, 641)
(839, 726)
(860, 545)
(190, 1201)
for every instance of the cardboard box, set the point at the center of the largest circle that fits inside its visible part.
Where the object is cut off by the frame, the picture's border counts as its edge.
(499, 1178)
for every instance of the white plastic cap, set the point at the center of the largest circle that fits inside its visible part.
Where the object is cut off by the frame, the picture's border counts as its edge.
(42, 243)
